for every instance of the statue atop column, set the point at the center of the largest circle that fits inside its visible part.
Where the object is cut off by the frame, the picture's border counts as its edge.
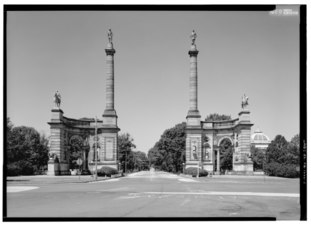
(244, 101)
(110, 36)
(193, 36)
(57, 99)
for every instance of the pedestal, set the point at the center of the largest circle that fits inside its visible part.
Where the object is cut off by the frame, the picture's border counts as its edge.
(53, 169)
(242, 164)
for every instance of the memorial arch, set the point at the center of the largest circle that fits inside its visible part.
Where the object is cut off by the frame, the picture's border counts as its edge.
(63, 129)
(203, 138)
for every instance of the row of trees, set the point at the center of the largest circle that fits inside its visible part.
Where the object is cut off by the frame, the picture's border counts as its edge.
(131, 160)
(27, 150)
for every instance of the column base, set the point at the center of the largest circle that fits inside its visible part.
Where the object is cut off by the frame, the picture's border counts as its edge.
(193, 114)
(243, 167)
(110, 118)
(110, 112)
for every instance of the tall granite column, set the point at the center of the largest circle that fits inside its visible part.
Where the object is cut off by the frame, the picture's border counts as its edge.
(108, 130)
(193, 128)
(110, 81)
(193, 82)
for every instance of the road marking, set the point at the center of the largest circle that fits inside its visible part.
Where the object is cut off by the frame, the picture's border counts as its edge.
(293, 195)
(13, 189)
(187, 180)
(129, 197)
(111, 180)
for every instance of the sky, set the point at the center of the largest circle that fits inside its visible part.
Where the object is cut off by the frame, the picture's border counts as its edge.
(255, 53)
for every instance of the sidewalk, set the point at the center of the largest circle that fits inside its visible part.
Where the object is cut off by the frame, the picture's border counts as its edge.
(45, 179)
(259, 177)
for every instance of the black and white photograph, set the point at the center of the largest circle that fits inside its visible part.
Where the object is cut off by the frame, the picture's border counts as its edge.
(154, 112)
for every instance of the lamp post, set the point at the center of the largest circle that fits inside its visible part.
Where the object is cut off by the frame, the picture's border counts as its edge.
(95, 148)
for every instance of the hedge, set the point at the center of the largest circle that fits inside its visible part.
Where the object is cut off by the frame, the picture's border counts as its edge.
(194, 171)
(281, 170)
(106, 171)
(21, 167)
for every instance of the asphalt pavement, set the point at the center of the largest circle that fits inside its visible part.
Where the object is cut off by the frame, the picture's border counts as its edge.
(150, 194)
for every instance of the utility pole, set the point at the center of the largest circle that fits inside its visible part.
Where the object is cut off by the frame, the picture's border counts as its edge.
(95, 150)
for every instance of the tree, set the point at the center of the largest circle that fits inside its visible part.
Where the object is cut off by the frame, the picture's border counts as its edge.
(258, 157)
(125, 145)
(293, 155)
(75, 151)
(140, 161)
(282, 158)
(296, 141)
(217, 117)
(168, 153)
(27, 151)
(154, 158)
(226, 154)
(277, 149)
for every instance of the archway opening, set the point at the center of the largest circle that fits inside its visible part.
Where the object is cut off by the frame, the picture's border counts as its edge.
(75, 151)
(226, 154)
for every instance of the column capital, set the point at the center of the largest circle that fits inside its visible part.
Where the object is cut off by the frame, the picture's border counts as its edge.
(110, 51)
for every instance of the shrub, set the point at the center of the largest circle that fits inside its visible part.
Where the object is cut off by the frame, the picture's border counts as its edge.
(86, 172)
(194, 171)
(106, 171)
(13, 169)
(26, 168)
(281, 170)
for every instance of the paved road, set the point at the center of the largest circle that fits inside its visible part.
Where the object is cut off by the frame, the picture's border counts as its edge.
(156, 194)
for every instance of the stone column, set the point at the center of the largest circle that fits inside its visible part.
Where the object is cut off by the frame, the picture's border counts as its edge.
(193, 83)
(110, 115)
(194, 127)
(108, 130)
(110, 80)
(218, 161)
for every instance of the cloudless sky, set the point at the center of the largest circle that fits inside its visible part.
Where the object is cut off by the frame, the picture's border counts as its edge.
(239, 52)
